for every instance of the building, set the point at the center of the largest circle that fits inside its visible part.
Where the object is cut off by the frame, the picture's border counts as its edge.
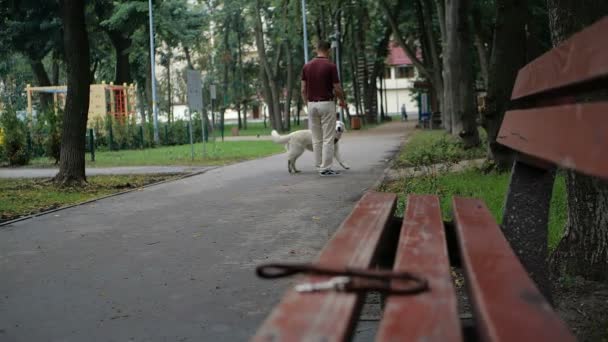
(400, 75)
(118, 101)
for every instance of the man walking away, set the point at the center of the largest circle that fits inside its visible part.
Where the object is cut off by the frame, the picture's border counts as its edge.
(403, 113)
(320, 87)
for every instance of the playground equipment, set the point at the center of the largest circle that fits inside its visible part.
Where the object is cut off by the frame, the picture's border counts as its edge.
(118, 101)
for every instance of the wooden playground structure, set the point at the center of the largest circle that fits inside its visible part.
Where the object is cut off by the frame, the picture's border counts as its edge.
(118, 101)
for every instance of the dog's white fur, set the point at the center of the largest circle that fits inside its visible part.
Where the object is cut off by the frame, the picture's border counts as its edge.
(299, 141)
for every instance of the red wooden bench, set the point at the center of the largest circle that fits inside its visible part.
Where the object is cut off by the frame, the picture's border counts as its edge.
(507, 305)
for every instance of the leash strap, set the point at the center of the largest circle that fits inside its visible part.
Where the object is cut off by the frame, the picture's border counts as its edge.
(348, 279)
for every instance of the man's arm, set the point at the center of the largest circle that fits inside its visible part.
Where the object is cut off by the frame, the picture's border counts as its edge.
(304, 93)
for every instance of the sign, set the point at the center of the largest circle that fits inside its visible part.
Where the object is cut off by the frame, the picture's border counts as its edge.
(195, 94)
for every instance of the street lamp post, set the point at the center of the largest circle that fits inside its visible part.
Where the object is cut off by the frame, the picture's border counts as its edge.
(337, 46)
(305, 31)
(153, 76)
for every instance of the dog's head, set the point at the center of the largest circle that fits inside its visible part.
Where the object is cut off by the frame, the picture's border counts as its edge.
(340, 128)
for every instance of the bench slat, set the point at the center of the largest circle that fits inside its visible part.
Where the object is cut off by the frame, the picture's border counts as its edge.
(330, 316)
(572, 136)
(581, 58)
(507, 304)
(433, 315)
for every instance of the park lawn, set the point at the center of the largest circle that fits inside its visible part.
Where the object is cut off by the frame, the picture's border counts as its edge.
(427, 147)
(21, 197)
(490, 187)
(220, 153)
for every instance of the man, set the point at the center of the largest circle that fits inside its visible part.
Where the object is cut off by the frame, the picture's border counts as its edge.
(403, 113)
(320, 87)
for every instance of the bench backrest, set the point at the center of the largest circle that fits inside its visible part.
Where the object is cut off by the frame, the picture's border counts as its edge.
(565, 120)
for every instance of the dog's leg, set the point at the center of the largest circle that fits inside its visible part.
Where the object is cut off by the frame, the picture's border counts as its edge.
(289, 165)
(295, 151)
(294, 167)
(339, 157)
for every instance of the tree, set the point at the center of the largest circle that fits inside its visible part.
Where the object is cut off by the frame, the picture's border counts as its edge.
(268, 71)
(515, 21)
(583, 249)
(76, 44)
(32, 28)
(459, 84)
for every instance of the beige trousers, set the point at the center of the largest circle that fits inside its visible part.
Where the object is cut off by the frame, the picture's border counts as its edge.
(322, 123)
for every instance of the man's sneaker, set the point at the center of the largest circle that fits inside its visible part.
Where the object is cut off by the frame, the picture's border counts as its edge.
(328, 172)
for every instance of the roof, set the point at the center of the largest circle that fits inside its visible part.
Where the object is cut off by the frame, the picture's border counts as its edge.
(396, 55)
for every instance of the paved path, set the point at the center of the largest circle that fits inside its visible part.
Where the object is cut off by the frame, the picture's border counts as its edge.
(174, 262)
(93, 171)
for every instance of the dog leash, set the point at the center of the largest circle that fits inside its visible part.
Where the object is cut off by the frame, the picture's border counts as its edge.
(348, 279)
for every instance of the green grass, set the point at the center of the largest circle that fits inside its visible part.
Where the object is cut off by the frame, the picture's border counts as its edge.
(491, 188)
(21, 197)
(223, 153)
(427, 147)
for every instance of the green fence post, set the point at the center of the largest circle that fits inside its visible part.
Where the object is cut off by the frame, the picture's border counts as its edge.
(188, 131)
(30, 148)
(167, 134)
(92, 144)
(141, 136)
(111, 138)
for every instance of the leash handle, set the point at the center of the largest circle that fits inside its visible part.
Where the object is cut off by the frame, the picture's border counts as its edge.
(352, 279)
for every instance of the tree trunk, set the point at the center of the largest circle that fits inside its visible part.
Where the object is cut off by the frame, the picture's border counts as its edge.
(267, 94)
(46, 99)
(169, 101)
(76, 44)
(148, 92)
(235, 90)
(504, 64)
(188, 58)
(141, 101)
(238, 65)
(269, 80)
(355, 74)
(123, 67)
(290, 86)
(434, 76)
(245, 109)
(583, 249)
(446, 108)
(55, 69)
(432, 48)
(482, 52)
(459, 73)
(381, 91)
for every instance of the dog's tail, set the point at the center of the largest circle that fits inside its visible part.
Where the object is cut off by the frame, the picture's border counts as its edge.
(279, 139)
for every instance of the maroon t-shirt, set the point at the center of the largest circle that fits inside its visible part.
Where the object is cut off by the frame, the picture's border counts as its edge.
(320, 75)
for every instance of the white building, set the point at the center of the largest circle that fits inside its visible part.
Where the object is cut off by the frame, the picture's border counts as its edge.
(400, 75)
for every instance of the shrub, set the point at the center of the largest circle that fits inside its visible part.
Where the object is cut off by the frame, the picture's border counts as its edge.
(15, 141)
(2, 156)
(52, 140)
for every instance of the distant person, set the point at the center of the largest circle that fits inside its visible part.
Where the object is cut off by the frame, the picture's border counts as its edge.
(403, 113)
(320, 87)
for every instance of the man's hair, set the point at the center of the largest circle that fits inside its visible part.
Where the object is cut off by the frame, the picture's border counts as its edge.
(323, 46)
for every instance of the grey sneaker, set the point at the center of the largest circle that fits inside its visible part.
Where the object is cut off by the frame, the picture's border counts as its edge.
(328, 172)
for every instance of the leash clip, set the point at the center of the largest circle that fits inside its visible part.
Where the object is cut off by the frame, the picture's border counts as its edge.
(336, 284)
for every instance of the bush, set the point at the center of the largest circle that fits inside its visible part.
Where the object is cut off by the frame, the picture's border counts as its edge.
(426, 148)
(15, 140)
(52, 140)
(99, 132)
(2, 156)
